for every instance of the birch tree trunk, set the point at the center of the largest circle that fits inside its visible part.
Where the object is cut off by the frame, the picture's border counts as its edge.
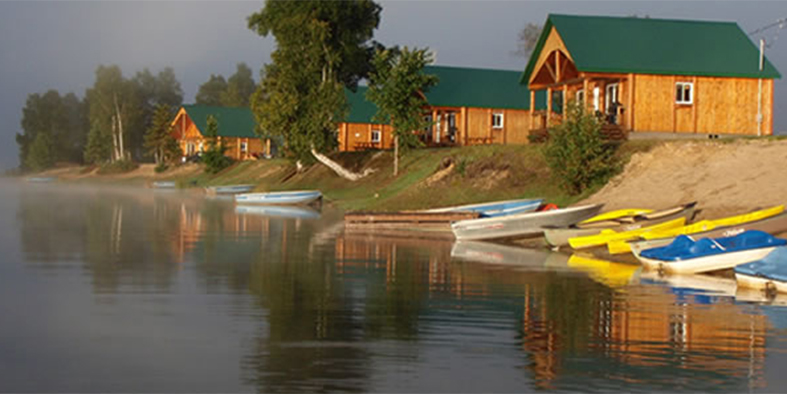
(338, 169)
(115, 151)
(120, 128)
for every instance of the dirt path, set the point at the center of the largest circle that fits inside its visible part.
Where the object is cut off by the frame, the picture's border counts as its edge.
(725, 178)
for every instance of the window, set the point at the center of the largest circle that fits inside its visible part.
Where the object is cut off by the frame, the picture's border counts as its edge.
(580, 97)
(683, 93)
(428, 121)
(376, 135)
(201, 148)
(596, 95)
(190, 149)
(497, 121)
(244, 146)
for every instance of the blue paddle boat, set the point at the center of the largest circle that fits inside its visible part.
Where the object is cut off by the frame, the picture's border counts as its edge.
(770, 273)
(687, 256)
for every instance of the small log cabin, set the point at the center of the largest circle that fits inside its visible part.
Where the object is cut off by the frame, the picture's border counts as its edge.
(468, 106)
(653, 75)
(236, 131)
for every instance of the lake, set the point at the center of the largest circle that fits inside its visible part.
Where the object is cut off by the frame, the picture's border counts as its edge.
(124, 289)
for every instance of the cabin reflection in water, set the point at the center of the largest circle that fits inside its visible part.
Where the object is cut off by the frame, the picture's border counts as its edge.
(654, 335)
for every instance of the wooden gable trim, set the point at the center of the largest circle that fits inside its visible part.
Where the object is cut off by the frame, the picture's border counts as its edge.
(553, 43)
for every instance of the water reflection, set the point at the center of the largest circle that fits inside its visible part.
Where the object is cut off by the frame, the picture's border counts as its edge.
(302, 305)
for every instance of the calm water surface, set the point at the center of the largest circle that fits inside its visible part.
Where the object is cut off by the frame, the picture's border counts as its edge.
(133, 290)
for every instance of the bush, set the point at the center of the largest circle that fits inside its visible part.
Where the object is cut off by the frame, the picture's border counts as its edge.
(118, 167)
(577, 153)
(160, 168)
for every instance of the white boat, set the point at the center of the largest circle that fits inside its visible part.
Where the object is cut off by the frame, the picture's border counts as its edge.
(164, 185)
(686, 256)
(278, 211)
(40, 179)
(521, 225)
(279, 198)
(495, 208)
(229, 189)
(525, 258)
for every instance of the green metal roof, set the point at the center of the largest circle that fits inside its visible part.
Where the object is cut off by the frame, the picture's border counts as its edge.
(233, 121)
(655, 46)
(459, 87)
(361, 109)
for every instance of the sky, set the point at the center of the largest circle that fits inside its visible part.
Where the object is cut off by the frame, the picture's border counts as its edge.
(59, 44)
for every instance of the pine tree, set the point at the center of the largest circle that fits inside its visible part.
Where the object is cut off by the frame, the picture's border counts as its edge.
(159, 141)
(99, 146)
(213, 157)
(40, 156)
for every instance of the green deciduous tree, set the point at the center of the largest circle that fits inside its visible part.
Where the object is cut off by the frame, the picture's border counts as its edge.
(40, 156)
(240, 87)
(159, 141)
(577, 153)
(98, 149)
(114, 107)
(396, 86)
(152, 90)
(63, 118)
(322, 47)
(213, 157)
(210, 92)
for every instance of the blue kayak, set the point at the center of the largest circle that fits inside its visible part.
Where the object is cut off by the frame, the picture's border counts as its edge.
(496, 208)
(685, 247)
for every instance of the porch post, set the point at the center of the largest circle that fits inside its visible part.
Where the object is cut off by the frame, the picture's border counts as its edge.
(630, 103)
(434, 124)
(549, 105)
(588, 96)
(565, 99)
(532, 107)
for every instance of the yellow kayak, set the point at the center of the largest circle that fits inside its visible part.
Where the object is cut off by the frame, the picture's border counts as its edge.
(619, 247)
(605, 272)
(620, 213)
(607, 236)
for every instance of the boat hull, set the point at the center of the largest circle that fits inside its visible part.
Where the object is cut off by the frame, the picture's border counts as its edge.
(494, 209)
(521, 225)
(760, 283)
(706, 263)
(278, 211)
(279, 198)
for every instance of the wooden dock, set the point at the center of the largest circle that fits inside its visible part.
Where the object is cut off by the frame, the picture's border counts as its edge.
(418, 220)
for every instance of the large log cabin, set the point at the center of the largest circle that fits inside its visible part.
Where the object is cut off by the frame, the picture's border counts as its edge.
(653, 75)
(468, 106)
(235, 131)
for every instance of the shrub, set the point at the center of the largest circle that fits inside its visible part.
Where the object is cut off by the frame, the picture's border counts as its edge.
(214, 158)
(160, 168)
(118, 167)
(577, 153)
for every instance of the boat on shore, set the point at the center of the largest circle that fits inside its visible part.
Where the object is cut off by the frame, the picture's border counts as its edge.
(688, 256)
(768, 274)
(40, 179)
(521, 225)
(279, 198)
(559, 236)
(229, 189)
(606, 237)
(494, 208)
(163, 185)
(771, 220)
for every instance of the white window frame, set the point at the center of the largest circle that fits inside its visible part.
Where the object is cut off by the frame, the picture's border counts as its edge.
(596, 96)
(377, 133)
(244, 146)
(201, 148)
(500, 124)
(682, 86)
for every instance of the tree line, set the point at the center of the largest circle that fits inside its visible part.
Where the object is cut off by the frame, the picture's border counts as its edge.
(119, 118)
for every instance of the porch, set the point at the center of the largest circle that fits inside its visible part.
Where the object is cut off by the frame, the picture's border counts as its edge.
(608, 95)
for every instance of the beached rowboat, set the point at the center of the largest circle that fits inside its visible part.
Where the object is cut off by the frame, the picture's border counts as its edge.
(521, 225)
(495, 208)
(163, 185)
(559, 236)
(229, 189)
(276, 198)
(687, 256)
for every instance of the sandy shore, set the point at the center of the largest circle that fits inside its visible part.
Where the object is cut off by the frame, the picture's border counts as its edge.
(725, 178)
